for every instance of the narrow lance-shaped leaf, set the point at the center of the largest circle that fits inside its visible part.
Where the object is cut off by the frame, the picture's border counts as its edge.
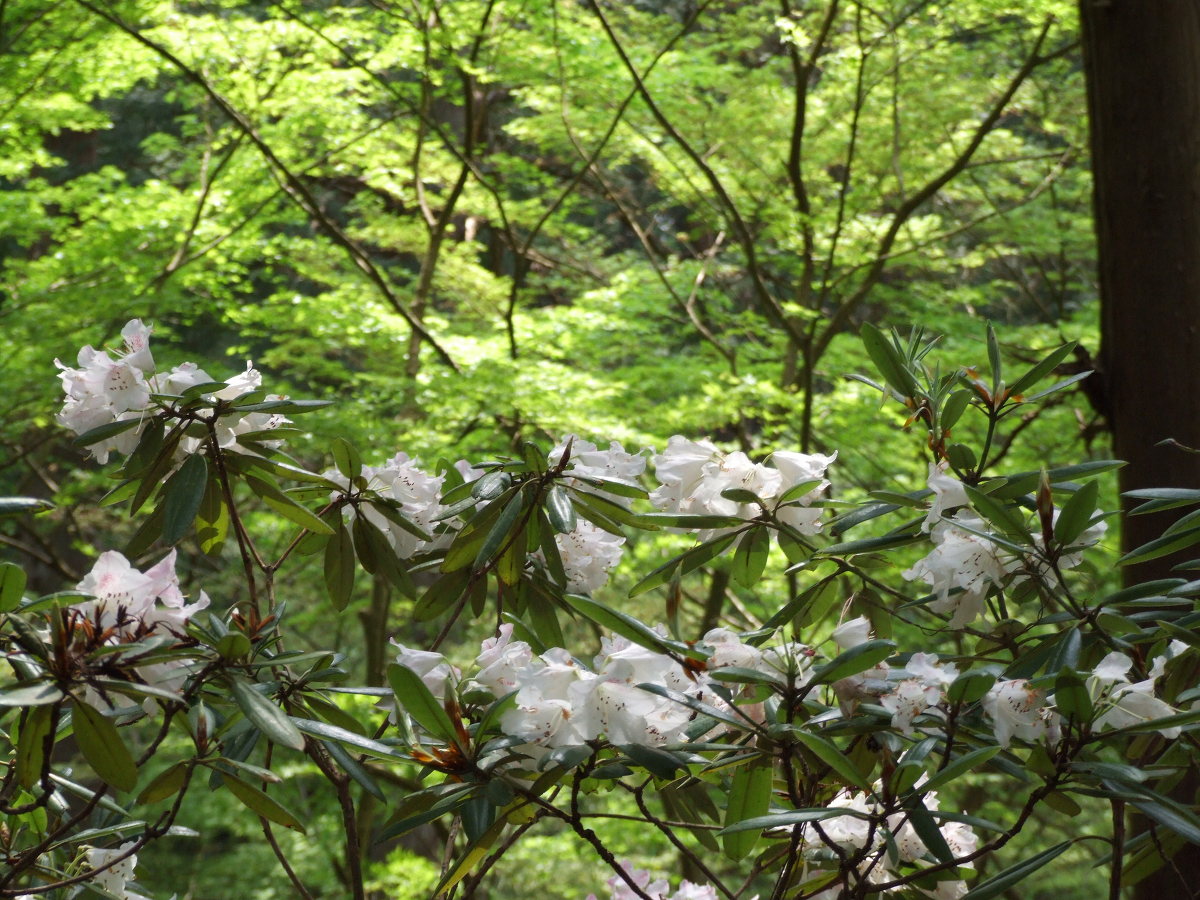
(266, 716)
(261, 803)
(418, 701)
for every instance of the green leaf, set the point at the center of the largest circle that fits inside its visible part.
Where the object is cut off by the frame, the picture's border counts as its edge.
(12, 586)
(826, 751)
(31, 746)
(997, 513)
(888, 361)
(1003, 881)
(295, 513)
(102, 433)
(502, 531)
(1041, 369)
(857, 659)
(750, 558)
(993, 349)
(954, 407)
(749, 798)
(37, 694)
(166, 783)
(1071, 696)
(19, 506)
(266, 716)
(354, 769)
(328, 732)
(791, 817)
(340, 568)
(183, 494)
(624, 625)
(1076, 513)
(261, 803)
(418, 701)
(1161, 546)
(684, 563)
(101, 745)
(346, 458)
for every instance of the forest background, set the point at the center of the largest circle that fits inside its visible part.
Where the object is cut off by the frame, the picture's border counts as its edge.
(477, 223)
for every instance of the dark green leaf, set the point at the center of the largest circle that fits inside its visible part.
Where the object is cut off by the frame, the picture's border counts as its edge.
(102, 433)
(101, 745)
(417, 700)
(749, 798)
(851, 662)
(1076, 513)
(1003, 881)
(166, 783)
(750, 558)
(346, 458)
(266, 716)
(183, 494)
(261, 803)
(339, 568)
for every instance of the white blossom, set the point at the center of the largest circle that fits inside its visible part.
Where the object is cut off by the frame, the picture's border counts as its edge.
(948, 493)
(1017, 709)
(1128, 703)
(961, 569)
(588, 553)
(115, 878)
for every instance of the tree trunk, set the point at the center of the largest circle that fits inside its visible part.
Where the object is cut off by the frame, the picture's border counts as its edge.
(1142, 59)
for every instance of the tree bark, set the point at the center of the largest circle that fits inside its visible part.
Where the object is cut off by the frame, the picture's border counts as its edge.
(1142, 61)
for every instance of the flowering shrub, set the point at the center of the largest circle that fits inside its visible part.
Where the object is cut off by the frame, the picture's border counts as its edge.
(802, 749)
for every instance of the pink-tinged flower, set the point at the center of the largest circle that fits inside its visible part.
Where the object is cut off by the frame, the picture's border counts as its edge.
(1017, 709)
(728, 650)
(797, 468)
(908, 699)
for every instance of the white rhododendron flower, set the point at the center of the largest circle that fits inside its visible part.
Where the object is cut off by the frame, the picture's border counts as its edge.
(104, 390)
(961, 569)
(1125, 702)
(587, 461)
(656, 889)
(693, 476)
(417, 493)
(948, 494)
(130, 605)
(116, 877)
(588, 554)
(1017, 709)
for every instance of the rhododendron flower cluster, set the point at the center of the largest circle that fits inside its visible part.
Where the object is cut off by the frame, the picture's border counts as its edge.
(885, 842)
(129, 605)
(965, 565)
(104, 390)
(417, 492)
(588, 461)
(695, 475)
